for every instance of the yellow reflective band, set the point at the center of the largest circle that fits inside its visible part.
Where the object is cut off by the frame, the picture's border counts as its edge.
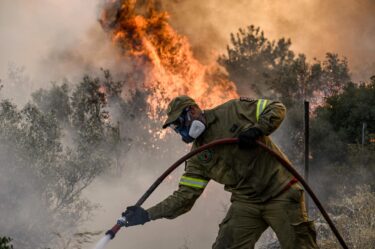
(261, 105)
(193, 182)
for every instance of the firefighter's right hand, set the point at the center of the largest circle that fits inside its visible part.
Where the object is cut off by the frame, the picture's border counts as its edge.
(135, 215)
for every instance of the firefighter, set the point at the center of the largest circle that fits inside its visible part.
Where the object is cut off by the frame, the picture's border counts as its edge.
(263, 193)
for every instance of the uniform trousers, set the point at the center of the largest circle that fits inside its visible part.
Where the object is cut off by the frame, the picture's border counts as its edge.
(285, 214)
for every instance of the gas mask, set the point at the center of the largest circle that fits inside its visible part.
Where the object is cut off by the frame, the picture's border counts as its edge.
(188, 132)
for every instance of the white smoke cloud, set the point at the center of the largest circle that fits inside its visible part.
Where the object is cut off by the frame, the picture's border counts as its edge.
(51, 40)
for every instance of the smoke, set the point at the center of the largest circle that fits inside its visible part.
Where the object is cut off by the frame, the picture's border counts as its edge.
(315, 27)
(198, 227)
(62, 39)
(195, 229)
(50, 41)
(22, 214)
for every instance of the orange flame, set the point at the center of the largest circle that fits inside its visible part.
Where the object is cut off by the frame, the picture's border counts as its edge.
(165, 57)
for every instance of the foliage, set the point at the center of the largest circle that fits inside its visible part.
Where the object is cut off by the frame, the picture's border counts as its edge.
(55, 146)
(354, 217)
(270, 68)
(347, 111)
(336, 130)
(252, 59)
(54, 100)
(5, 243)
(331, 75)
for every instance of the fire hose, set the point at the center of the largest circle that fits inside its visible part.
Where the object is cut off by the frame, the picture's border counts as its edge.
(112, 232)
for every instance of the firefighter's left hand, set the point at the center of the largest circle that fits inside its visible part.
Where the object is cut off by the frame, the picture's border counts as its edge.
(247, 138)
(135, 215)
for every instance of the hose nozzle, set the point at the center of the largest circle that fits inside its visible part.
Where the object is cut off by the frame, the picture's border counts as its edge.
(120, 223)
(110, 233)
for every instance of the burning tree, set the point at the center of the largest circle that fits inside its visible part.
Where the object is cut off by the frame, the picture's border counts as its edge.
(162, 60)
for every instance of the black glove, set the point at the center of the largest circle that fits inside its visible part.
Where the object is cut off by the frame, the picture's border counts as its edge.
(135, 215)
(246, 139)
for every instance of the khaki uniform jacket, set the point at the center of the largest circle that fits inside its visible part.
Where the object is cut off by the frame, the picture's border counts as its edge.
(251, 175)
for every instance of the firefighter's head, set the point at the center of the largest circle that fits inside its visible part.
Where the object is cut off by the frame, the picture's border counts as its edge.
(186, 118)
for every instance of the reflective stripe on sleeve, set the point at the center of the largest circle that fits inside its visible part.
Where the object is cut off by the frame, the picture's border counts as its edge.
(193, 182)
(261, 105)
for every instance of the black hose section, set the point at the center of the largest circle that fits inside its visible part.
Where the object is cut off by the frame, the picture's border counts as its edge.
(284, 162)
(181, 160)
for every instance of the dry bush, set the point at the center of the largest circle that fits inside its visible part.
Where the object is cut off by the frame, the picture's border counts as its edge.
(355, 219)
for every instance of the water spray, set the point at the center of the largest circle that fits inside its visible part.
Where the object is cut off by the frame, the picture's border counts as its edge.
(103, 242)
(110, 234)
